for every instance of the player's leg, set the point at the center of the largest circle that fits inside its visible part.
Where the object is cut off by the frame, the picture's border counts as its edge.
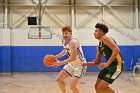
(79, 72)
(112, 74)
(101, 75)
(65, 73)
(73, 84)
(103, 87)
(60, 80)
(97, 82)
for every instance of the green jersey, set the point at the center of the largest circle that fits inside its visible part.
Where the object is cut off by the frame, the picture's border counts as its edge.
(107, 52)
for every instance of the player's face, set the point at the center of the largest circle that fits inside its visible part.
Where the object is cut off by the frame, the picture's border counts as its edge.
(98, 33)
(66, 35)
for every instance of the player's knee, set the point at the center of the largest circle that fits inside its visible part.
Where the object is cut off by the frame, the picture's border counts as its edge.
(58, 80)
(99, 89)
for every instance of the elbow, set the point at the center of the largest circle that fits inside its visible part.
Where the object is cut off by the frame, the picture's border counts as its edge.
(117, 50)
(97, 62)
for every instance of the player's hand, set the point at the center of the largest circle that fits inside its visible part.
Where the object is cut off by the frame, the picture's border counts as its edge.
(57, 64)
(55, 56)
(84, 64)
(103, 65)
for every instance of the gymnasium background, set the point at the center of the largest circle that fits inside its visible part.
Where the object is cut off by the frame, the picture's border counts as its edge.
(19, 53)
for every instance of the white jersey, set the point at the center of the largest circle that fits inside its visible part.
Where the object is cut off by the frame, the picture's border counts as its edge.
(80, 55)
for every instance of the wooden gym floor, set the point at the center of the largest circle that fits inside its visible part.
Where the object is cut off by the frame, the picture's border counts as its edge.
(44, 83)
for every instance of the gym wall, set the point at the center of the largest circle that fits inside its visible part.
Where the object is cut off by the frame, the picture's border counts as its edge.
(18, 53)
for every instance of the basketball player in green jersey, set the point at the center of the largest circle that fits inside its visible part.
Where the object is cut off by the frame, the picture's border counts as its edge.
(73, 67)
(110, 69)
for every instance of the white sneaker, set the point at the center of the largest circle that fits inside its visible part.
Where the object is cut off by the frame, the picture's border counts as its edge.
(116, 91)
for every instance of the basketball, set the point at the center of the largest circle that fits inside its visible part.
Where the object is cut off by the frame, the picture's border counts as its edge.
(49, 60)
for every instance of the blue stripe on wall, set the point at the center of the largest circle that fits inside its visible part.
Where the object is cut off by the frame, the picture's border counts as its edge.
(1, 60)
(136, 53)
(5, 59)
(30, 58)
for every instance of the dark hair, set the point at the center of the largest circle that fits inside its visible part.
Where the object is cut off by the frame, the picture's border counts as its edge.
(102, 26)
(67, 28)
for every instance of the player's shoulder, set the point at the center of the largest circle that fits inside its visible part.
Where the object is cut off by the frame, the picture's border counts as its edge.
(73, 41)
(107, 38)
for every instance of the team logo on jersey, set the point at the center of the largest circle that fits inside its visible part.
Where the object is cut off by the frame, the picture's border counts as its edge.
(102, 48)
(108, 75)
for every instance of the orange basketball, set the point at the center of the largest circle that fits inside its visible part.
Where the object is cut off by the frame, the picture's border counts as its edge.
(49, 60)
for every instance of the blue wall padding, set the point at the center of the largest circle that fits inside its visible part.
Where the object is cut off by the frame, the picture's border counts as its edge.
(30, 58)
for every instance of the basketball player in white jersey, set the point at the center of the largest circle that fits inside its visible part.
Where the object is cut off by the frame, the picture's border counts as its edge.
(73, 67)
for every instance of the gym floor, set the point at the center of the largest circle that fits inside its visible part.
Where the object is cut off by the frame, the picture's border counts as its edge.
(44, 82)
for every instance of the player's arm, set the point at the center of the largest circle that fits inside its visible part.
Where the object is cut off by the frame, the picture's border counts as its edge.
(96, 61)
(73, 51)
(112, 45)
(61, 54)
